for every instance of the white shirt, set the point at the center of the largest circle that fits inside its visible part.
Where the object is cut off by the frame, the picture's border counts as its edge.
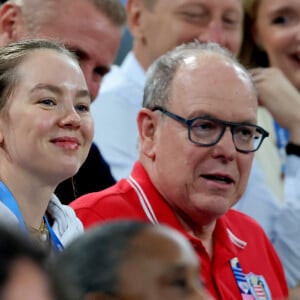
(66, 225)
(115, 111)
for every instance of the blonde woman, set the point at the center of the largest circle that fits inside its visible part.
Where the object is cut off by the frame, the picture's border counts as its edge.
(272, 50)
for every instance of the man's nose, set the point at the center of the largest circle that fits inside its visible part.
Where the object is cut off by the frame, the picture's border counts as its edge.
(213, 33)
(225, 147)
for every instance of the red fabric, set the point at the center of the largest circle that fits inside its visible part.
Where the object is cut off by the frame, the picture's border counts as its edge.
(258, 256)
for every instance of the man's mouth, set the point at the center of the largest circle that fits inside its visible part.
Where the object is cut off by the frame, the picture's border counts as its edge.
(220, 178)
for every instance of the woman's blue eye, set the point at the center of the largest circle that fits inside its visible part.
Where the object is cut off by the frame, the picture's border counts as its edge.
(82, 108)
(48, 102)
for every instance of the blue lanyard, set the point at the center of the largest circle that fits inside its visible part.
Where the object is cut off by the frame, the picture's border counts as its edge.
(55, 240)
(9, 201)
(251, 286)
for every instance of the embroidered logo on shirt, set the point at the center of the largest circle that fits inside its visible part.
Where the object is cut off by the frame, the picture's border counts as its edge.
(258, 286)
(251, 286)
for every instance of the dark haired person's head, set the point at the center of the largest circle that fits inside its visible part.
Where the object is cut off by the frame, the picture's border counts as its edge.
(24, 270)
(133, 260)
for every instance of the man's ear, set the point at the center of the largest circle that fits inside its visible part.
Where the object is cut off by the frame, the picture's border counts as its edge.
(147, 125)
(135, 9)
(11, 23)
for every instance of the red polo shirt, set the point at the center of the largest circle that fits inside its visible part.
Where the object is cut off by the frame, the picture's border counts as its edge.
(236, 236)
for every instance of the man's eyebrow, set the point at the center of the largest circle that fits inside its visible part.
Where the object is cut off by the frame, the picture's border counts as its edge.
(56, 90)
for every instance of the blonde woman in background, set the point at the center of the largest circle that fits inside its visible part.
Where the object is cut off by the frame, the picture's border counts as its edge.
(271, 50)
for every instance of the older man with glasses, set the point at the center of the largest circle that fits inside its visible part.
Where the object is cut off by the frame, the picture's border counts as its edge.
(198, 133)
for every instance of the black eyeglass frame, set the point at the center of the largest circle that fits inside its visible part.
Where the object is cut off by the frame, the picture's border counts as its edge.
(232, 125)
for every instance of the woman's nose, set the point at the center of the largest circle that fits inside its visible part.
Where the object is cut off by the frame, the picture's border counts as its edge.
(70, 118)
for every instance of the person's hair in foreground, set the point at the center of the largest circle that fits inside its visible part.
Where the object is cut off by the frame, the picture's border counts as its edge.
(25, 272)
(116, 259)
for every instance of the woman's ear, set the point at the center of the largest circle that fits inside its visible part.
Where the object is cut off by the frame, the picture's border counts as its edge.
(147, 125)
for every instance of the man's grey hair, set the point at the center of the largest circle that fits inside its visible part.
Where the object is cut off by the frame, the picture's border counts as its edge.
(113, 9)
(160, 75)
(37, 12)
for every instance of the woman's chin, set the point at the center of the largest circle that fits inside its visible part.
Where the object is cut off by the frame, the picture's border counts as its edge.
(68, 171)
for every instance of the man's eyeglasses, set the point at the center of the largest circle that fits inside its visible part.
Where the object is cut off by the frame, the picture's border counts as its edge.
(207, 131)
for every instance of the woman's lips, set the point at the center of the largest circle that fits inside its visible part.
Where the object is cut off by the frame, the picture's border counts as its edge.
(70, 143)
